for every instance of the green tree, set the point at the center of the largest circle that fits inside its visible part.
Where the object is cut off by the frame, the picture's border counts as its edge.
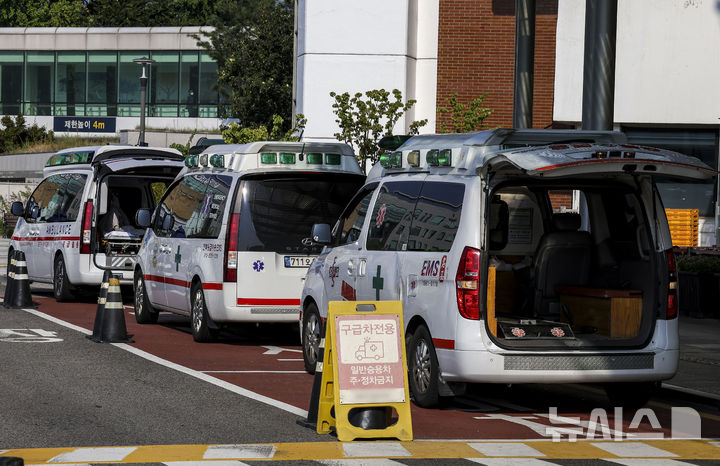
(48, 13)
(126, 13)
(236, 134)
(364, 121)
(253, 46)
(463, 118)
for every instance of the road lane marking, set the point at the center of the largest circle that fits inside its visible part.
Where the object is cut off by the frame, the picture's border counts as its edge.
(277, 350)
(185, 370)
(225, 452)
(633, 449)
(209, 463)
(505, 449)
(94, 455)
(374, 449)
(326, 451)
(360, 462)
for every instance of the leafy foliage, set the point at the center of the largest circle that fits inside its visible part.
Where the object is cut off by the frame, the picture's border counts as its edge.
(184, 148)
(698, 263)
(464, 118)
(15, 134)
(253, 46)
(364, 121)
(105, 13)
(236, 134)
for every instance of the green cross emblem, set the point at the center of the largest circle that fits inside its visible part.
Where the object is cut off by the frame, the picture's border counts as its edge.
(178, 257)
(377, 283)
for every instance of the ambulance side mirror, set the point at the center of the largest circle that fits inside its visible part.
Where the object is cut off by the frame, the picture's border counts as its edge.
(142, 218)
(321, 233)
(17, 208)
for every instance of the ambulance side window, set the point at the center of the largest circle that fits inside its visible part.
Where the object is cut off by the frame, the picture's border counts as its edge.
(436, 217)
(178, 206)
(348, 228)
(56, 199)
(392, 214)
(206, 219)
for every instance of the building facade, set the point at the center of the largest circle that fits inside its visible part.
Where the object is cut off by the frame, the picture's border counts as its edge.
(84, 80)
(665, 86)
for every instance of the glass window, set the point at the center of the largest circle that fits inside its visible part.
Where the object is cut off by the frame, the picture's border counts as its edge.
(70, 84)
(57, 198)
(350, 224)
(164, 84)
(700, 143)
(393, 210)
(278, 211)
(102, 84)
(182, 204)
(129, 83)
(39, 72)
(208, 95)
(207, 222)
(11, 65)
(442, 204)
(189, 78)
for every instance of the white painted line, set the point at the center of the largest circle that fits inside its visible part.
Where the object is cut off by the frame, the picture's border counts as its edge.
(254, 372)
(185, 370)
(224, 452)
(505, 449)
(648, 462)
(717, 444)
(209, 463)
(511, 461)
(360, 462)
(374, 449)
(632, 449)
(94, 455)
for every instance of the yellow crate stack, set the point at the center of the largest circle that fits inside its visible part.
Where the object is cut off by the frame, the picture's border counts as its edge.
(683, 226)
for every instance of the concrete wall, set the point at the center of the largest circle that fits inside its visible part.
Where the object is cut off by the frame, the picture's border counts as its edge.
(667, 64)
(164, 139)
(347, 46)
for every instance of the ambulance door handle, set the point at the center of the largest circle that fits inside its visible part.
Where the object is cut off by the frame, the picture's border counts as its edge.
(362, 268)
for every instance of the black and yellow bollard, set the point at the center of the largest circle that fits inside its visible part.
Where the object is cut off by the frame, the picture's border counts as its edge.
(10, 284)
(102, 298)
(111, 316)
(19, 296)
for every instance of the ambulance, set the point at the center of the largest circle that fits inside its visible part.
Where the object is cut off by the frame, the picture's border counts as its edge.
(230, 239)
(520, 256)
(78, 222)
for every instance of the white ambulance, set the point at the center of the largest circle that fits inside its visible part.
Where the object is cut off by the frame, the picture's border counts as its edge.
(520, 256)
(78, 222)
(230, 240)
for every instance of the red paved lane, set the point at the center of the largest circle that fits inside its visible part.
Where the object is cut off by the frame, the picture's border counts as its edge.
(267, 360)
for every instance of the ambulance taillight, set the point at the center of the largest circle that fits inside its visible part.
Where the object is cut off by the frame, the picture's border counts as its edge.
(231, 244)
(85, 235)
(672, 299)
(467, 281)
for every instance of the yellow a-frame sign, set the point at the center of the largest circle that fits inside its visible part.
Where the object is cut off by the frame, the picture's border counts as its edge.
(365, 366)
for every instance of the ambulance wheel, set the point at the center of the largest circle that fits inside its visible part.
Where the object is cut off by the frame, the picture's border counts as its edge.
(423, 368)
(144, 312)
(62, 288)
(311, 335)
(200, 321)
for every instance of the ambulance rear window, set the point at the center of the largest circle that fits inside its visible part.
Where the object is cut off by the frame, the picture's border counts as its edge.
(278, 211)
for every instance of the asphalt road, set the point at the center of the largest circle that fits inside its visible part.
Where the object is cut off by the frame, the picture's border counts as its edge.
(72, 391)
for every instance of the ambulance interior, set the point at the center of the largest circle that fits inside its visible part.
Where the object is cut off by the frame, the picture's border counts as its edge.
(569, 265)
(119, 198)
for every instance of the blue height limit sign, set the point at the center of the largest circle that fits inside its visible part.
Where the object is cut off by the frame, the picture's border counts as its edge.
(83, 124)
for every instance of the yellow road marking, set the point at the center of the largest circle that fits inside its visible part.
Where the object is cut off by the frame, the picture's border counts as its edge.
(582, 449)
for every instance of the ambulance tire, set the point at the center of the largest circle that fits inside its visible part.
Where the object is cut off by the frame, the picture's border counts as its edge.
(199, 319)
(62, 288)
(423, 369)
(144, 312)
(311, 327)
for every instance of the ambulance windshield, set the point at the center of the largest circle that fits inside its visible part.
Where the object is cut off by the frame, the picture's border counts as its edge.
(279, 210)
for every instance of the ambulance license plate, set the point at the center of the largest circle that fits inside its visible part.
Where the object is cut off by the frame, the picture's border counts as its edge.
(298, 261)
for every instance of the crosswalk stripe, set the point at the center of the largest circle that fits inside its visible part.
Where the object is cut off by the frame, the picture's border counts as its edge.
(632, 449)
(648, 462)
(374, 449)
(222, 452)
(510, 461)
(505, 449)
(90, 455)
